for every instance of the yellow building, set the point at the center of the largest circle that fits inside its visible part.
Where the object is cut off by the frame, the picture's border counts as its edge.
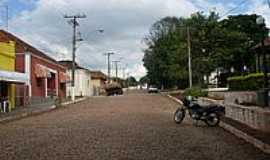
(8, 77)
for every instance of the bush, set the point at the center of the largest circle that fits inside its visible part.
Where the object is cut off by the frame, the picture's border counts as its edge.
(195, 92)
(250, 82)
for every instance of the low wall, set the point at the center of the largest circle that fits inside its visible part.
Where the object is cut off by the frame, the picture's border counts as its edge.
(255, 117)
(240, 97)
(217, 95)
(206, 101)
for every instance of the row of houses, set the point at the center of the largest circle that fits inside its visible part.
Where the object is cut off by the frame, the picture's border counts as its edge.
(29, 75)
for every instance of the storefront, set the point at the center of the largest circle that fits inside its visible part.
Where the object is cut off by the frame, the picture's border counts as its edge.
(42, 70)
(8, 81)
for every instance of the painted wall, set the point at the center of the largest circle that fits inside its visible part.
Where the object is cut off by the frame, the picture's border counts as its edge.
(83, 85)
(7, 56)
(26, 55)
(38, 85)
(7, 63)
(39, 89)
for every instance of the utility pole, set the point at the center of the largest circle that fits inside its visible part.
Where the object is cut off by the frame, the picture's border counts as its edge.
(124, 71)
(109, 65)
(116, 68)
(74, 24)
(189, 58)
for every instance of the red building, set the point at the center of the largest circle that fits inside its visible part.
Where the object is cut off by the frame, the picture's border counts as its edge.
(46, 76)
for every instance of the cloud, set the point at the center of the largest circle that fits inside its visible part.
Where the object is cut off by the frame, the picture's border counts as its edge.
(125, 23)
(261, 8)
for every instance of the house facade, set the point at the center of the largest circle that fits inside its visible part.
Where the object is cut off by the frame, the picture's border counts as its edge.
(8, 77)
(83, 86)
(98, 82)
(47, 77)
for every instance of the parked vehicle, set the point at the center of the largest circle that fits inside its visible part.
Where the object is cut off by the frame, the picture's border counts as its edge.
(113, 89)
(209, 114)
(152, 89)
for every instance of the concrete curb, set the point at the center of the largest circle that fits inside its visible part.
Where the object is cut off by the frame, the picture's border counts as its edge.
(76, 101)
(175, 99)
(37, 112)
(27, 114)
(255, 142)
(238, 133)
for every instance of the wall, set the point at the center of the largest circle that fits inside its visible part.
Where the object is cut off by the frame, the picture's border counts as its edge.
(255, 117)
(7, 63)
(96, 83)
(245, 97)
(217, 95)
(19, 63)
(36, 90)
(7, 56)
(83, 86)
(22, 51)
(39, 91)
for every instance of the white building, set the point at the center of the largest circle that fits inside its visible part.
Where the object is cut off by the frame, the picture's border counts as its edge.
(83, 85)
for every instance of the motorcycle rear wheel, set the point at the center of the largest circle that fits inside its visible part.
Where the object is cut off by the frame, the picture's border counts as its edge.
(179, 115)
(212, 120)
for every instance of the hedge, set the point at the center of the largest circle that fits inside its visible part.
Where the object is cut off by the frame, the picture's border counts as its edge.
(250, 82)
(195, 92)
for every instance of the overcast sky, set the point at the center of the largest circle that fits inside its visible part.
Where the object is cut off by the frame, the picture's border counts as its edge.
(126, 23)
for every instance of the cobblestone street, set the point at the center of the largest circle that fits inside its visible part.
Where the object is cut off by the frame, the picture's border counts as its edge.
(130, 127)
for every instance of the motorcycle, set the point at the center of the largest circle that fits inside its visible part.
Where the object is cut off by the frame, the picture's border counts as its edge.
(209, 114)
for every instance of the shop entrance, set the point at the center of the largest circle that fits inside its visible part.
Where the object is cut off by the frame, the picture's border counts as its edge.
(3, 91)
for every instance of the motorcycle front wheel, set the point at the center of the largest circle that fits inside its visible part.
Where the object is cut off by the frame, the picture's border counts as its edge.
(179, 115)
(212, 119)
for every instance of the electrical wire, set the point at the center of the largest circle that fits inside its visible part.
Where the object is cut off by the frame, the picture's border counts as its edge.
(233, 9)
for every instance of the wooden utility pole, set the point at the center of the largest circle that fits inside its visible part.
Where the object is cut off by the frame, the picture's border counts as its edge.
(74, 24)
(109, 65)
(116, 68)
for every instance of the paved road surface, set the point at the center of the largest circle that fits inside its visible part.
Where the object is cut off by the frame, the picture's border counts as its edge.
(130, 127)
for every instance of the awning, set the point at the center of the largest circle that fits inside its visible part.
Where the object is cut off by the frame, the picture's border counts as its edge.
(15, 77)
(41, 71)
(64, 77)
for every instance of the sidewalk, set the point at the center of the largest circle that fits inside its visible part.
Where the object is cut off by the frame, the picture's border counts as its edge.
(257, 138)
(22, 112)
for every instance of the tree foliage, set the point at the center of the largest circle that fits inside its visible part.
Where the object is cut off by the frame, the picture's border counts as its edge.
(132, 81)
(214, 44)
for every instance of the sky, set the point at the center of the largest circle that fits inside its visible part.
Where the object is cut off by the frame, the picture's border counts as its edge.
(125, 23)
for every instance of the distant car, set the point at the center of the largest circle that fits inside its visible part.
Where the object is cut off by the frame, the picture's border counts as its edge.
(152, 89)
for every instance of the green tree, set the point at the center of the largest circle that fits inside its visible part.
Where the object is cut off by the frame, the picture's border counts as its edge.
(214, 44)
(144, 80)
(249, 34)
(132, 81)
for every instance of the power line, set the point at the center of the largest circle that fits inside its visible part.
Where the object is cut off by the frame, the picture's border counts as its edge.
(233, 9)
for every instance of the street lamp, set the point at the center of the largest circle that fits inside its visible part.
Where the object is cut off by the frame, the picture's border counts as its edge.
(261, 21)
